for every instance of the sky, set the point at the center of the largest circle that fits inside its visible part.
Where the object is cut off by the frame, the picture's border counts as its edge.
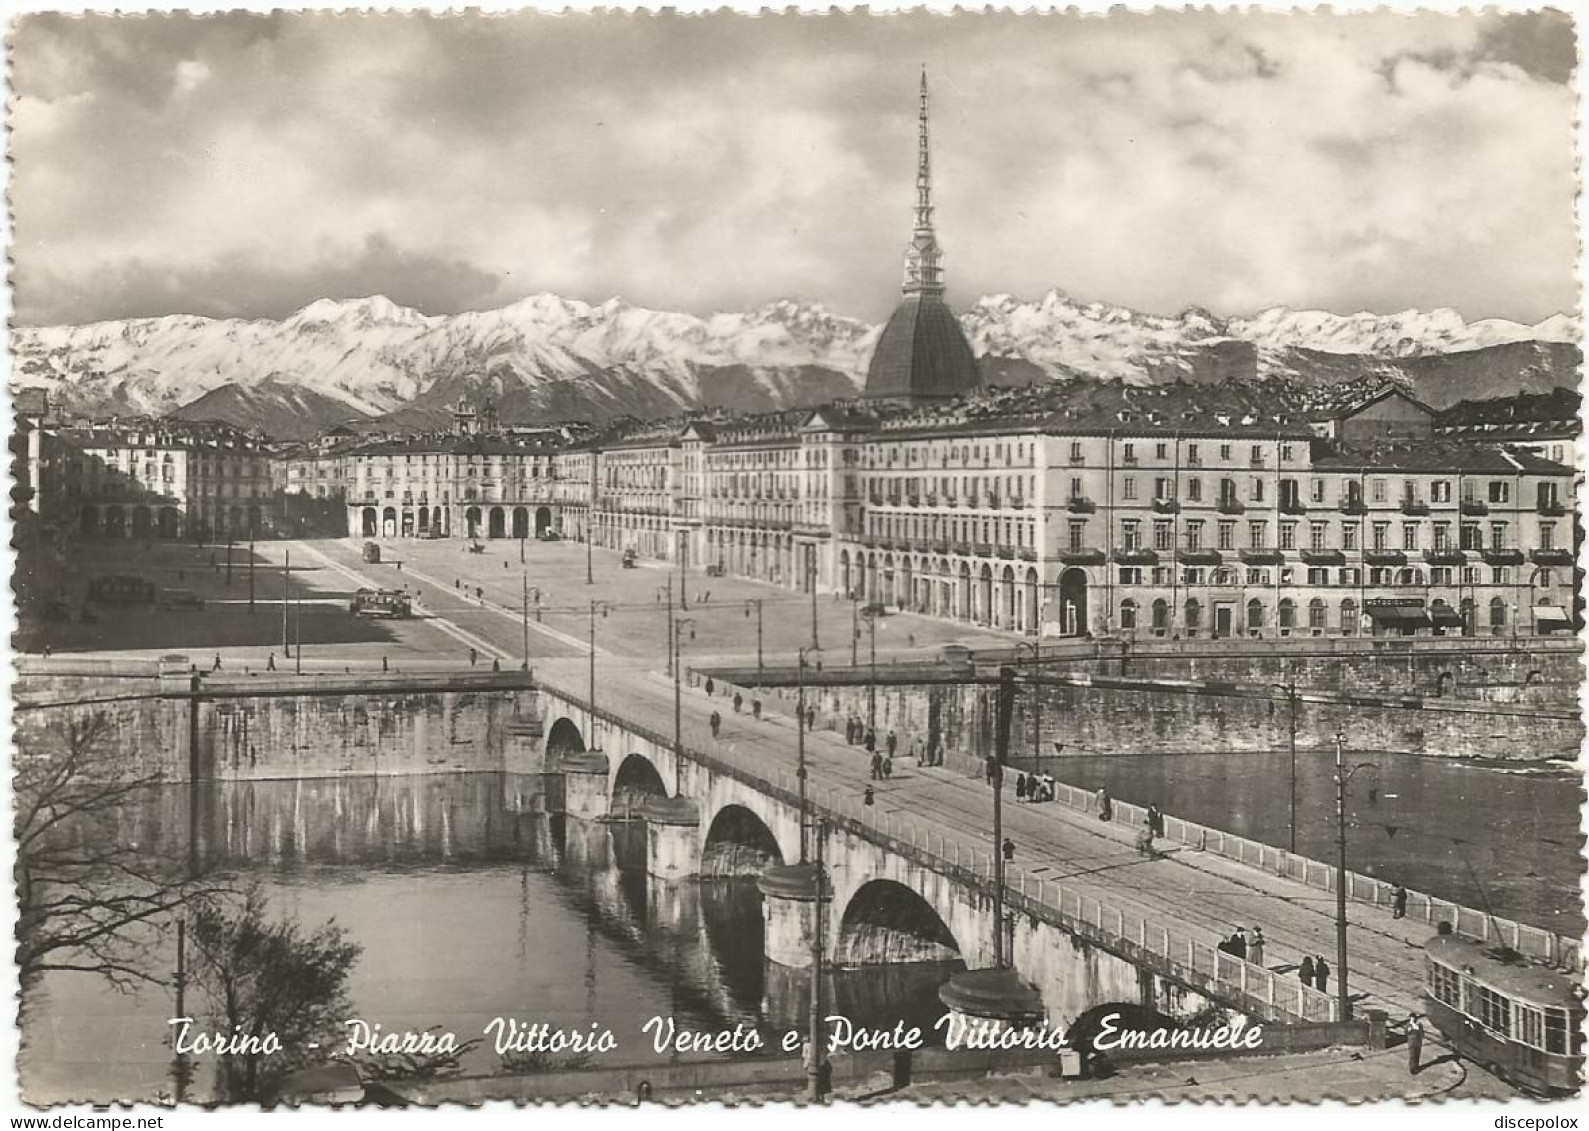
(245, 165)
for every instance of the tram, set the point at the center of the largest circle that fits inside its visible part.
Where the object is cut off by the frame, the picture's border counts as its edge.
(392, 603)
(1517, 1017)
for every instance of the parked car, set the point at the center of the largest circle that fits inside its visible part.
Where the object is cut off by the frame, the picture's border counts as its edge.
(180, 599)
(629, 558)
(372, 552)
(549, 535)
(714, 571)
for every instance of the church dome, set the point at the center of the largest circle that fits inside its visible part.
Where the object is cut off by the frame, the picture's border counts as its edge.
(922, 354)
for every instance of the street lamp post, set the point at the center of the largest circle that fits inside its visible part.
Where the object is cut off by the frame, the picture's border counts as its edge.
(286, 586)
(682, 570)
(1290, 690)
(871, 682)
(251, 572)
(811, 578)
(1001, 750)
(1342, 776)
(814, 1068)
(666, 592)
(228, 559)
(855, 632)
(590, 536)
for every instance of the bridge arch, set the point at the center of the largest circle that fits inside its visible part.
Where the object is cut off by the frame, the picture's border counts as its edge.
(564, 737)
(886, 922)
(636, 780)
(738, 843)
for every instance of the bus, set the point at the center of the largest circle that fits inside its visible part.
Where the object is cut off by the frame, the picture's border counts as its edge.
(381, 603)
(1515, 1016)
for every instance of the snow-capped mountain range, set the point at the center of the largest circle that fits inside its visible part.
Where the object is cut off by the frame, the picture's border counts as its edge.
(544, 355)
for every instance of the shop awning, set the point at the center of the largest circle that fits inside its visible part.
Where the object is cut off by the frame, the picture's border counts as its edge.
(1399, 616)
(1444, 616)
(1551, 614)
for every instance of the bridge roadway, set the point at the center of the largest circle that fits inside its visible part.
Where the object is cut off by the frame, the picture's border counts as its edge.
(1198, 895)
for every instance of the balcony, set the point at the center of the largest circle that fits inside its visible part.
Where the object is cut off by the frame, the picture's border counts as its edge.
(1411, 505)
(1385, 557)
(1445, 556)
(1475, 506)
(1324, 557)
(1500, 555)
(984, 549)
(962, 548)
(1257, 555)
(1028, 555)
(930, 499)
(1352, 504)
(1293, 506)
(1082, 557)
(1200, 557)
(1080, 504)
(1556, 557)
(1553, 508)
(992, 502)
(1135, 556)
(1166, 506)
(1229, 504)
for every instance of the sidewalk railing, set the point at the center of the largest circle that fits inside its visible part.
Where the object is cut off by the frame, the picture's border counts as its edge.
(1535, 942)
(1152, 946)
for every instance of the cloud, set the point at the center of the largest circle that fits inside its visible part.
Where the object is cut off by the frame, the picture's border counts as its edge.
(241, 164)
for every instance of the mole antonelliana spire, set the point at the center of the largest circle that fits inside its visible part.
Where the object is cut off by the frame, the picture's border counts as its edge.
(923, 259)
(922, 354)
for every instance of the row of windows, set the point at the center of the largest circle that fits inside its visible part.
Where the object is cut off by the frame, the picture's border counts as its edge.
(1255, 615)
(1288, 492)
(1347, 576)
(1193, 535)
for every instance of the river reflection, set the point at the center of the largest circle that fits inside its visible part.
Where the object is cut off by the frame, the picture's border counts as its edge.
(471, 902)
(1463, 831)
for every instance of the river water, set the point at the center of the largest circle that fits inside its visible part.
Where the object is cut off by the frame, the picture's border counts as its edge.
(470, 903)
(1508, 835)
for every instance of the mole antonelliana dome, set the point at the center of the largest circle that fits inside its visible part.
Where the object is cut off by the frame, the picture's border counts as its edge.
(922, 354)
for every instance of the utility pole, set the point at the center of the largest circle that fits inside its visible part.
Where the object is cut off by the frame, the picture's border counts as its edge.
(759, 663)
(286, 586)
(1291, 698)
(669, 589)
(800, 745)
(815, 1068)
(593, 606)
(297, 646)
(678, 687)
(228, 559)
(855, 632)
(679, 567)
(180, 1070)
(871, 684)
(1340, 878)
(590, 536)
(525, 616)
(811, 577)
(250, 573)
(1001, 750)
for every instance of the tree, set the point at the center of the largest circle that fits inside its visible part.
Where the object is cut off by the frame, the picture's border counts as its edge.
(88, 899)
(264, 978)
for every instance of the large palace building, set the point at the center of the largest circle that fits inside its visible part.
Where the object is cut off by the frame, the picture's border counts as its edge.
(1179, 511)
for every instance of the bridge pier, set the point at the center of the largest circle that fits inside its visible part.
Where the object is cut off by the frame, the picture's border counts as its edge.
(991, 999)
(788, 910)
(673, 837)
(521, 747)
(584, 785)
(586, 844)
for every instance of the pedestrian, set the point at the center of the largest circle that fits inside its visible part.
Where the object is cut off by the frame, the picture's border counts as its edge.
(217, 666)
(473, 656)
(912, 638)
(1105, 806)
(755, 708)
(1009, 850)
(1398, 903)
(270, 662)
(1321, 974)
(1020, 787)
(888, 767)
(891, 743)
(496, 664)
(456, 584)
(707, 600)
(871, 740)
(1155, 820)
(1255, 945)
(46, 650)
(869, 798)
(739, 702)
(811, 717)
(709, 685)
(877, 766)
(1305, 972)
(717, 721)
(1238, 943)
(1414, 1031)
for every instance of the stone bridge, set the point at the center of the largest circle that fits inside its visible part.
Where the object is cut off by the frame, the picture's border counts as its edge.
(898, 893)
